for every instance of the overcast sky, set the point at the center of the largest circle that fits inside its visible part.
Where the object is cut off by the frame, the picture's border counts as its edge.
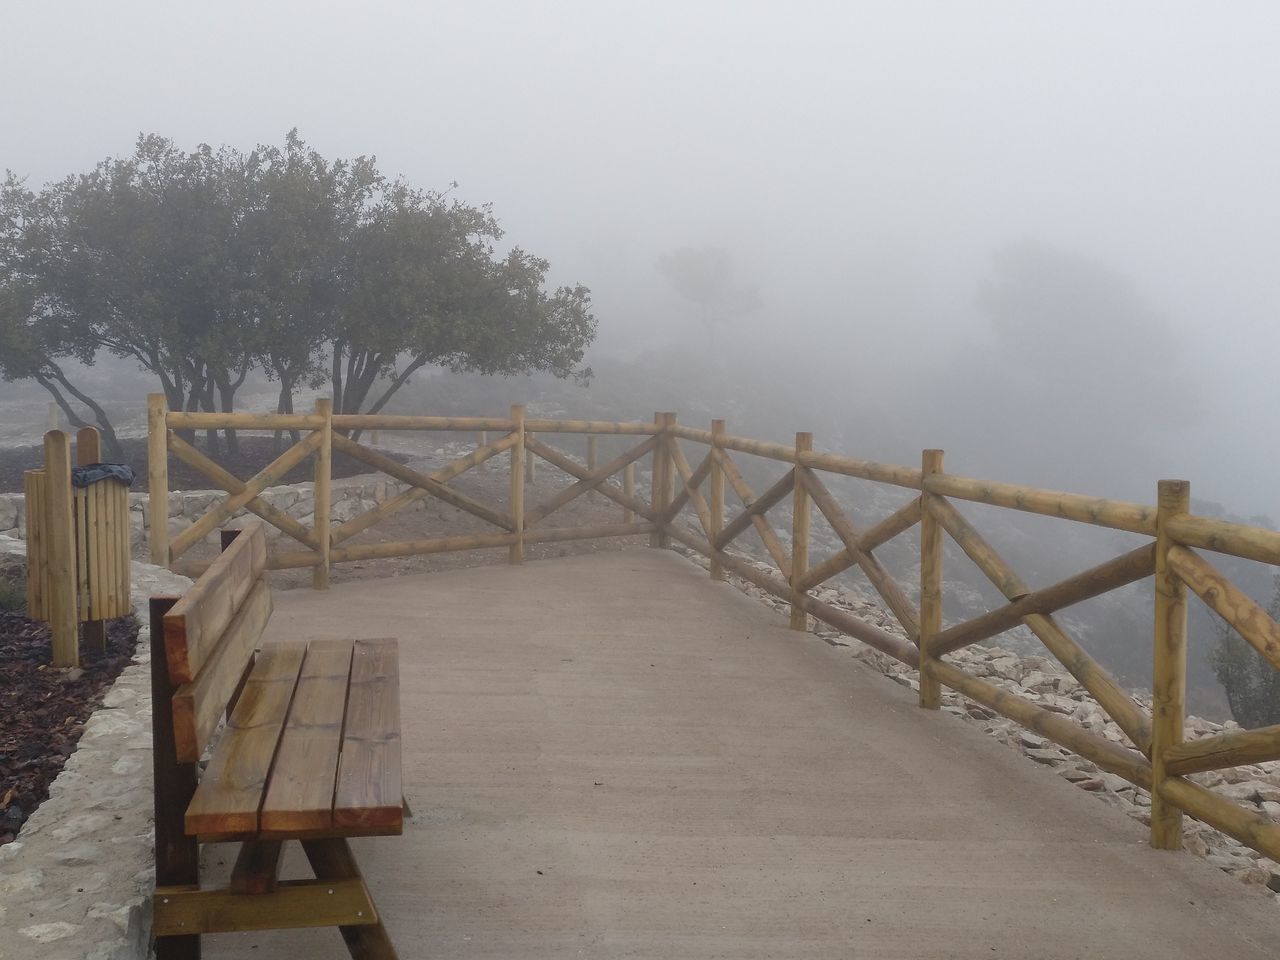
(861, 161)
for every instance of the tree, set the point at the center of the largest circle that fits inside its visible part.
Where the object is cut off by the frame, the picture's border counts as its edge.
(706, 278)
(1252, 684)
(426, 288)
(199, 266)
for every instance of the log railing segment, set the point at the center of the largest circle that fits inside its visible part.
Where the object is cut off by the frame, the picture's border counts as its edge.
(1160, 760)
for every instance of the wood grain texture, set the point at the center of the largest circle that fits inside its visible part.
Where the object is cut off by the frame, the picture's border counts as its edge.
(60, 554)
(1231, 749)
(158, 479)
(193, 626)
(930, 583)
(200, 704)
(1169, 669)
(299, 796)
(293, 905)
(230, 793)
(369, 790)
(1231, 603)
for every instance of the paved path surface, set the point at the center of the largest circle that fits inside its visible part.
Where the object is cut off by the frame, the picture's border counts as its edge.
(612, 756)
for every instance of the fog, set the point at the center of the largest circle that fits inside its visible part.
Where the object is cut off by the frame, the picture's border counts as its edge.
(865, 166)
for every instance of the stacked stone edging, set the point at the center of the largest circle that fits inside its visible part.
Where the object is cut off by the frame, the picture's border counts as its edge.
(76, 883)
(1045, 682)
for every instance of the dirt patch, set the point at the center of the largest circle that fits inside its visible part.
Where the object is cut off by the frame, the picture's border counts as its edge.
(254, 454)
(43, 709)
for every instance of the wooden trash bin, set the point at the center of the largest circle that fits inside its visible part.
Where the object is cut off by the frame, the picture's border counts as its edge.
(98, 545)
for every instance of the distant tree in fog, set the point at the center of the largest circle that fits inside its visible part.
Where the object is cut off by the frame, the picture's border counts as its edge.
(706, 277)
(1252, 684)
(201, 266)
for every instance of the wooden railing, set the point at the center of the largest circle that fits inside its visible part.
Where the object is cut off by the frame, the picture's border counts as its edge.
(1156, 758)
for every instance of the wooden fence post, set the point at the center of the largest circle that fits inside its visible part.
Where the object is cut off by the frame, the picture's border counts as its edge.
(484, 442)
(520, 461)
(716, 479)
(629, 488)
(323, 490)
(177, 855)
(158, 478)
(657, 472)
(530, 470)
(930, 585)
(592, 456)
(52, 419)
(663, 477)
(800, 516)
(61, 550)
(1169, 670)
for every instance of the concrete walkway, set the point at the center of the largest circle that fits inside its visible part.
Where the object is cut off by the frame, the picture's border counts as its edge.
(611, 756)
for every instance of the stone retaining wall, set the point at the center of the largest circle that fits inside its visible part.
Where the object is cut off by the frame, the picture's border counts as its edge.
(77, 882)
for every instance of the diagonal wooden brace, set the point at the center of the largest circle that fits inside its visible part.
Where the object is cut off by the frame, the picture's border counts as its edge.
(573, 468)
(264, 478)
(591, 481)
(233, 484)
(455, 469)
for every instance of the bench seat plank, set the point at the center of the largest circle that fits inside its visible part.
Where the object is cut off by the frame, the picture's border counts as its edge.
(229, 797)
(300, 792)
(369, 792)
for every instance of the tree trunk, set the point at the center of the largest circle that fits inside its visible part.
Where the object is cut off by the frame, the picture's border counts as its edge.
(105, 427)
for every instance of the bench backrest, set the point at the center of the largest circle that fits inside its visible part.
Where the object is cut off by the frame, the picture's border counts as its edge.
(210, 635)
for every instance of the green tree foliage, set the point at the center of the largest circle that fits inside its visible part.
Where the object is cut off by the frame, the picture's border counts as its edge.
(1251, 682)
(201, 266)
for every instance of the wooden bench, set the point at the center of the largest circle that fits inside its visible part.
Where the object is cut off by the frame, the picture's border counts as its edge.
(310, 752)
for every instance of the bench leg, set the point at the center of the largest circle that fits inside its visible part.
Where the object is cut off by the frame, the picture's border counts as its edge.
(333, 860)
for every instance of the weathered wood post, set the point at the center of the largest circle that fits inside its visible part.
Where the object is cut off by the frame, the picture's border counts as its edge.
(800, 517)
(484, 442)
(323, 490)
(664, 481)
(93, 632)
(530, 471)
(592, 459)
(519, 460)
(629, 488)
(52, 419)
(61, 550)
(657, 497)
(930, 583)
(177, 855)
(158, 478)
(716, 479)
(1169, 670)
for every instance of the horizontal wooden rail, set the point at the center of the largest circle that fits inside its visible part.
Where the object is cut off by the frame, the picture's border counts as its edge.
(602, 427)
(1224, 750)
(562, 534)
(1116, 514)
(177, 420)
(1236, 539)
(1109, 756)
(382, 421)
(1254, 830)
